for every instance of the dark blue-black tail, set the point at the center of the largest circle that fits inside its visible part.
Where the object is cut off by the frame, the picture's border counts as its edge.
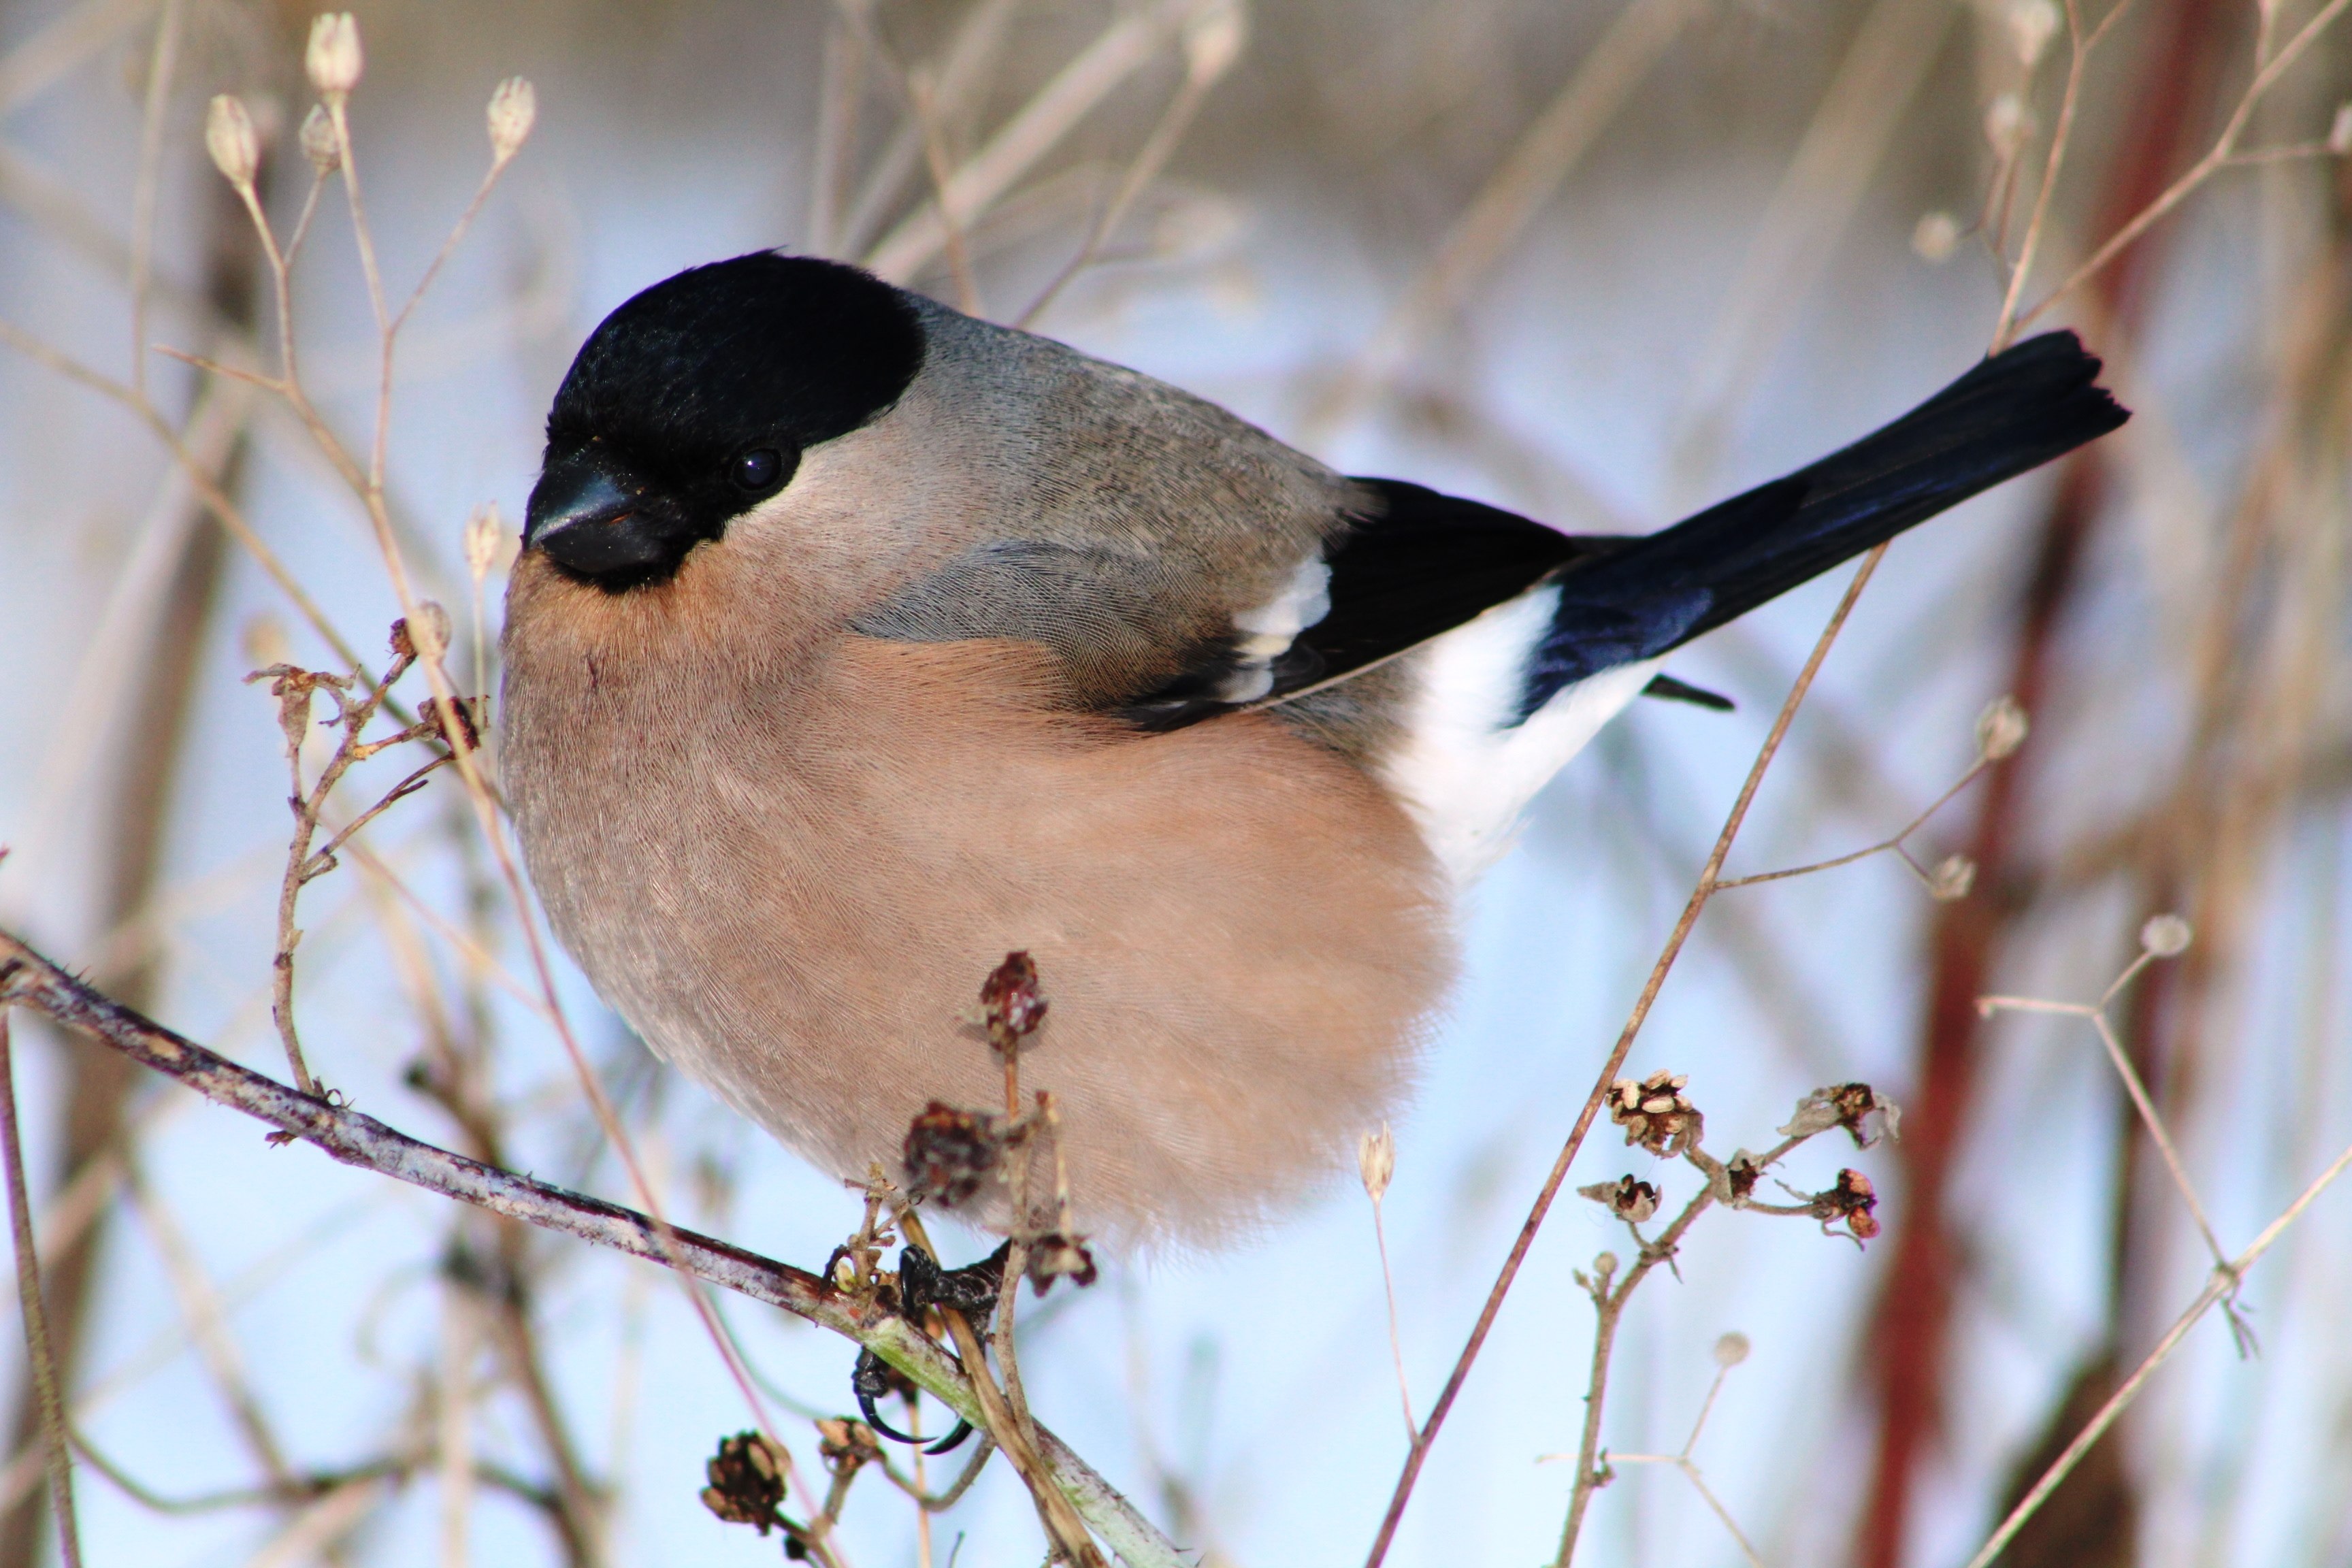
(2036, 401)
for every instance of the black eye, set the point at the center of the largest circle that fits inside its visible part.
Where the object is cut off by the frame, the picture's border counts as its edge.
(759, 468)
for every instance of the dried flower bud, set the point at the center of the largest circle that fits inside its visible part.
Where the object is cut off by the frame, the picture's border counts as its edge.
(1936, 235)
(332, 60)
(229, 138)
(1629, 1199)
(1376, 1159)
(1953, 877)
(2001, 728)
(1213, 37)
(514, 104)
(2007, 123)
(2165, 936)
(1732, 1350)
(319, 145)
(747, 1482)
(1011, 1006)
(950, 1152)
(2032, 24)
(1605, 1265)
(485, 531)
(2339, 130)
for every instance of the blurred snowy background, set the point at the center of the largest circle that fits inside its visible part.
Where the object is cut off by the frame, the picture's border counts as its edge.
(1599, 264)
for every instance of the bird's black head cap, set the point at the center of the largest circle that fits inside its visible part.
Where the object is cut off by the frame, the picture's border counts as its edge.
(695, 400)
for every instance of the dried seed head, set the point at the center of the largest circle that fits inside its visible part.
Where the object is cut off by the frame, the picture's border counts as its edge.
(1629, 1199)
(229, 137)
(2032, 24)
(1732, 1350)
(2165, 936)
(2001, 729)
(950, 1152)
(428, 632)
(747, 1482)
(2339, 130)
(1054, 1256)
(319, 142)
(1865, 1114)
(1741, 1174)
(846, 1446)
(1212, 42)
(458, 722)
(2007, 123)
(332, 59)
(1655, 1113)
(1376, 1159)
(1953, 877)
(1936, 235)
(485, 531)
(514, 105)
(1849, 1201)
(1011, 1005)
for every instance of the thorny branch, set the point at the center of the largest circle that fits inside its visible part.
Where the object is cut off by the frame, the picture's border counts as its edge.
(28, 980)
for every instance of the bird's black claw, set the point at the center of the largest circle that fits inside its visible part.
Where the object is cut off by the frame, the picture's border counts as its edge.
(869, 1380)
(971, 1289)
(953, 1440)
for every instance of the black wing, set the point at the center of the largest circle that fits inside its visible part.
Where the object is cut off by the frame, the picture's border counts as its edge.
(1412, 563)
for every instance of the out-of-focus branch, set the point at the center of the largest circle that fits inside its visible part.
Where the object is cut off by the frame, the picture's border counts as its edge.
(29, 981)
(48, 1401)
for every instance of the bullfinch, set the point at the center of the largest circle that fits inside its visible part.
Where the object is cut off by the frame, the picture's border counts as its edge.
(857, 643)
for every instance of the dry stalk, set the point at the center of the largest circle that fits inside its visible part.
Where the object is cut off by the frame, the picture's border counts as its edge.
(2219, 1288)
(295, 689)
(38, 1354)
(1729, 1350)
(1122, 48)
(1609, 1294)
(2217, 158)
(1700, 894)
(1546, 153)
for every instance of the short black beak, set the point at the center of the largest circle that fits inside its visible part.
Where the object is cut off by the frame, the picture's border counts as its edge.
(595, 520)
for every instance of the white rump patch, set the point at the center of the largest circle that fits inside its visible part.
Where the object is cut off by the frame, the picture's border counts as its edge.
(1265, 632)
(1464, 770)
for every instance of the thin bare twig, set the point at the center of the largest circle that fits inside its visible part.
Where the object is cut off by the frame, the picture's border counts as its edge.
(2223, 1285)
(36, 1313)
(2224, 148)
(1616, 1059)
